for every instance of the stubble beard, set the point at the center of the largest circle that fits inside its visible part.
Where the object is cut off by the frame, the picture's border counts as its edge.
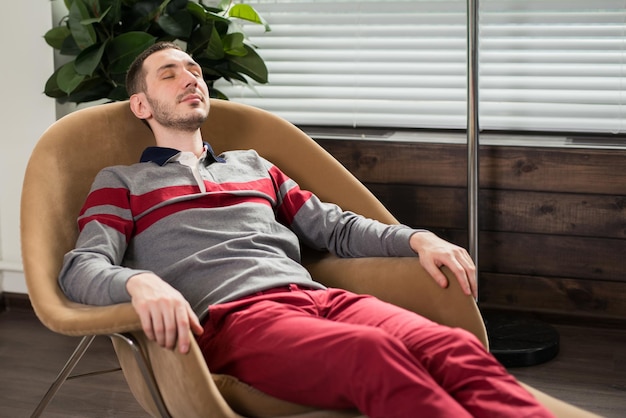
(164, 117)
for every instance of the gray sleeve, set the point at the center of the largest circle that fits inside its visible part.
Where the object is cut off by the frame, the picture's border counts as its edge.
(92, 272)
(326, 226)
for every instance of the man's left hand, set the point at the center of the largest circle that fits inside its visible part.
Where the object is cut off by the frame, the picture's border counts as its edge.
(435, 253)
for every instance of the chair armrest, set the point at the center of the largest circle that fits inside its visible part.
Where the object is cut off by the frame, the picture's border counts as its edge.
(74, 319)
(403, 282)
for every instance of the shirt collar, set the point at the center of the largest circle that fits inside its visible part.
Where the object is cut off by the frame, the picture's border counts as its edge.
(163, 155)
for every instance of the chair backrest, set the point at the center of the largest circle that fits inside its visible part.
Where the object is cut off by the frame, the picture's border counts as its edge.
(76, 147)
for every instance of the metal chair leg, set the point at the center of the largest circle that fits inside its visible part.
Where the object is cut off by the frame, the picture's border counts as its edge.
(148, 377)
(63, 374)
(78, 353)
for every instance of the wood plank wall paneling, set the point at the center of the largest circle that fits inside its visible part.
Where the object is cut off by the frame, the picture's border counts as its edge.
(509, 210)
(552, 220)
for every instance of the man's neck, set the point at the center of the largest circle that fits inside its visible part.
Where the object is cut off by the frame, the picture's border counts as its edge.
(182, 141)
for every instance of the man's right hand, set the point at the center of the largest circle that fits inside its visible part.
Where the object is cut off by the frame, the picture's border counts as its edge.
(165, 314)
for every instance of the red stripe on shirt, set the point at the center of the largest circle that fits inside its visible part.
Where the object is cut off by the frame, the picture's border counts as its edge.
(262, 185)
(123, 226)
(139, 204)
(145, 202)
(292, 201)
(107, 196)
(203, 202)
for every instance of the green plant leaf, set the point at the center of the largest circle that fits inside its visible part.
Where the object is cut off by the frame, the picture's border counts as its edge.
(178, 25)
(113, 15)
(203, 13)
(207, 43)
(215, 47)
(96, 19)
(67, 79)
(250, 64)
(90, 89)
(229, 75)
(162, 7)
(55, 36)
(84, 35)
(52, 88)
(123, 49)
(217, 94)
(69, 47)
(233, 44)
(89, 59)
(214, 16)
(210, 73)
(199, 39)
(104, 36)
(119, 93)
(176, 5)
(141, 14)
(197, 11)
(247, 12)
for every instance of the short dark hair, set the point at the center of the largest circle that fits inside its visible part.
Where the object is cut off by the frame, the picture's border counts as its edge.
(135, 77)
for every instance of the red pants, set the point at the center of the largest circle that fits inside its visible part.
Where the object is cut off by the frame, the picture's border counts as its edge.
(337, 350)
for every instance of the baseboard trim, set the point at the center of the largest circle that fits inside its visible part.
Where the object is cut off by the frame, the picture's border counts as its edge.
(14, 301)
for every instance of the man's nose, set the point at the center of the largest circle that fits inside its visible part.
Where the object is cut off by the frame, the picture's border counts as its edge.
(190, 79)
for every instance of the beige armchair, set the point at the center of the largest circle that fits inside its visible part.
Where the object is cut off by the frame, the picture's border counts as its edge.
(166, 383)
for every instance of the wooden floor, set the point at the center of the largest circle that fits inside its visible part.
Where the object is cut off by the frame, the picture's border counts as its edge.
(590, 372)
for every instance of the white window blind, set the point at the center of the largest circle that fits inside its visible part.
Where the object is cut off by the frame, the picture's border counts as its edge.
(544, 65)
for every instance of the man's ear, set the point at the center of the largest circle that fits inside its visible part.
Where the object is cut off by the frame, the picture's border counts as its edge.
(139, 106)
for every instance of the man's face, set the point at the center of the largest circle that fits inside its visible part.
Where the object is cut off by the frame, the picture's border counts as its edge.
(175, 90)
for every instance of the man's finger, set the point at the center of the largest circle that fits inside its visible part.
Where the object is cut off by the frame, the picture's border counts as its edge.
(170, 327)
(146, 325)
(460, 273)
(194, 322)
(182, 324)
(436, 273)
(470, 273)
(159, 324)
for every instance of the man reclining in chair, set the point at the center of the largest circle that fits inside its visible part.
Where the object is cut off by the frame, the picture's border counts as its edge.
(211, 243)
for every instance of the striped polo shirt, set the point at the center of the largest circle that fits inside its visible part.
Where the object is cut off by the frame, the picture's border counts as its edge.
(216, 228)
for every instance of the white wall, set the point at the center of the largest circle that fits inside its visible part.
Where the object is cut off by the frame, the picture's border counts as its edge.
(27, 62)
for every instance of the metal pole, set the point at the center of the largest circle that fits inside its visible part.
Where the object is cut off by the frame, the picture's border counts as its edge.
(540, 341)
(472, 127)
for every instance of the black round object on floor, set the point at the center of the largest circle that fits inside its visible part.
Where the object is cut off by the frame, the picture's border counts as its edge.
(517, 341)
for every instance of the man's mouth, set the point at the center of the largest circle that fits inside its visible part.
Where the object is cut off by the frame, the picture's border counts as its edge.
(191, 97)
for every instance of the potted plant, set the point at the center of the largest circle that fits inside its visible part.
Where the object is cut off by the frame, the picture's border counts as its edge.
(104, 36)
